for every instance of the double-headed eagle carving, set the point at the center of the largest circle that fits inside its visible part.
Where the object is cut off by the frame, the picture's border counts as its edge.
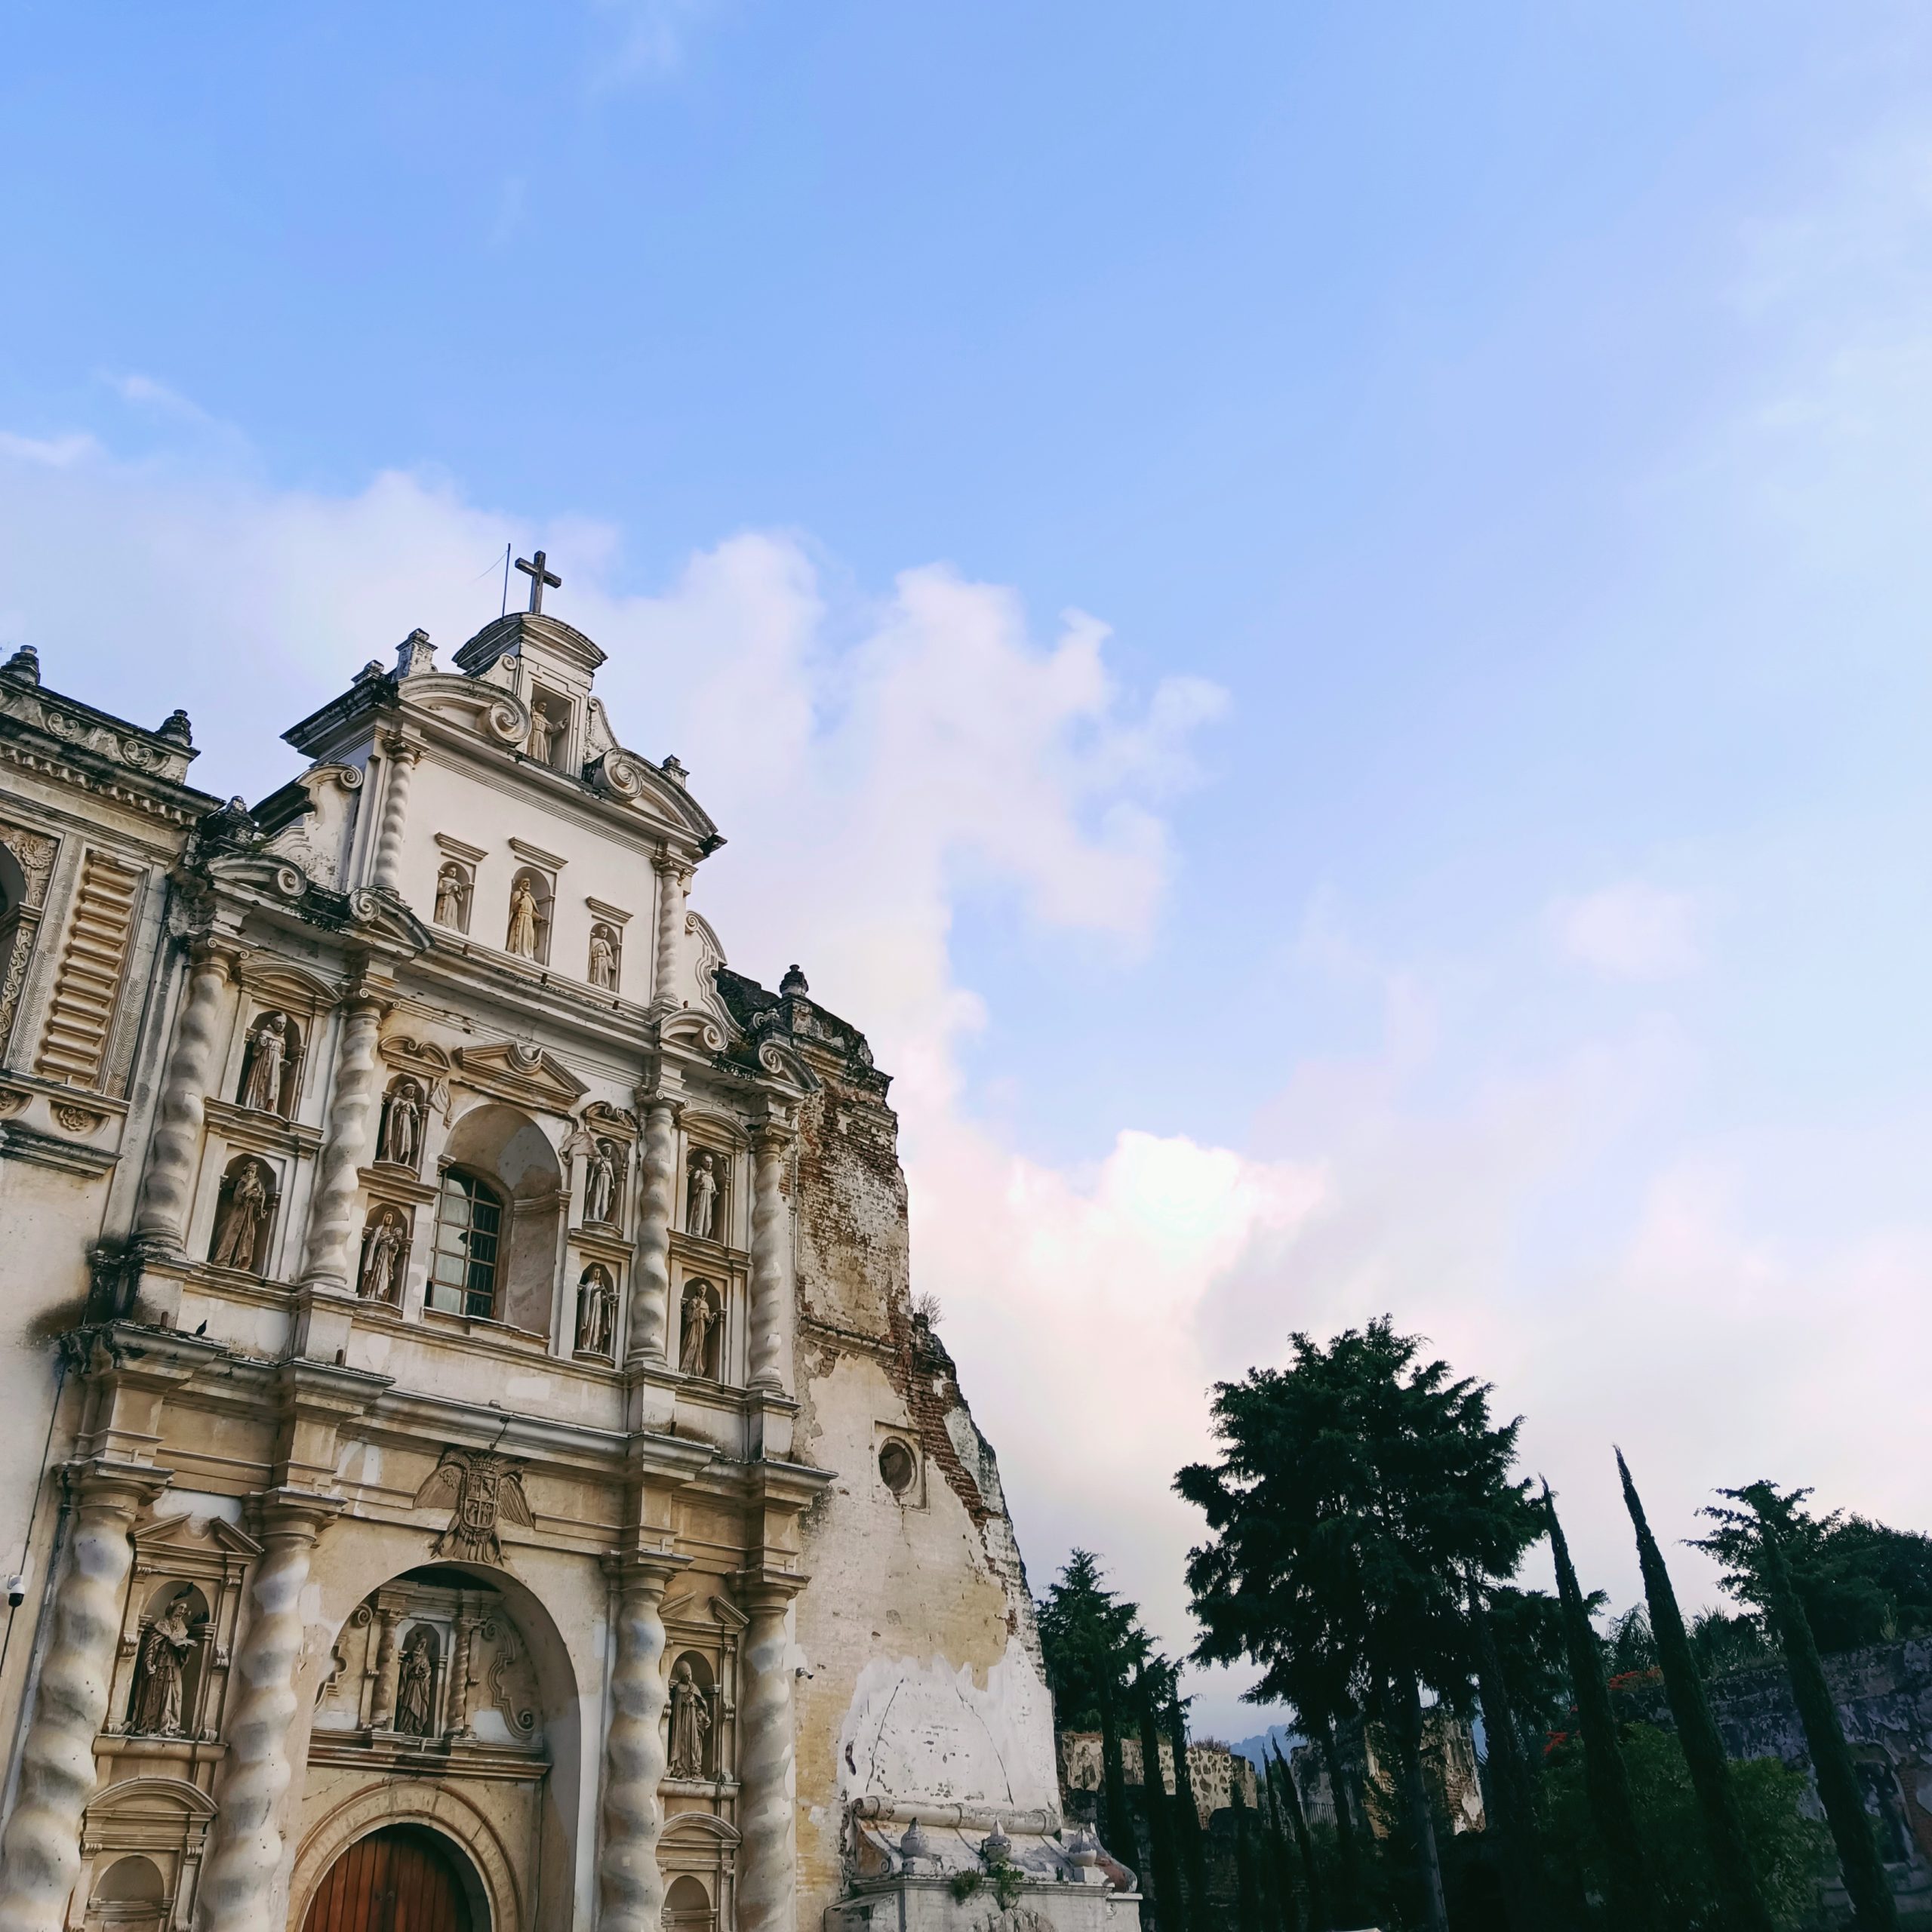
(482, 1489)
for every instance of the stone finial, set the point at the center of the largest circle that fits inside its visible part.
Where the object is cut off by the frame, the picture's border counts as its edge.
(24, 664)
(374, 669)
(996, 1848)
(793, 984)
(672, 770)
(916, 1849)
(177, 727)
(416, 656)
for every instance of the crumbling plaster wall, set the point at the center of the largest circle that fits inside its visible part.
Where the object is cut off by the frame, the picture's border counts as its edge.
(926, 1684)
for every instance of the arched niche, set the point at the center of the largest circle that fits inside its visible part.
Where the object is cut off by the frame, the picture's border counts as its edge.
(271, 1062)
(170, 1656)
(342, 1736)
(527, 929)
(404, 1116)
(688, 1907)
(698, 1855)
(130, 1895)
(455, 885)
(244, 1215)
(502, 1146)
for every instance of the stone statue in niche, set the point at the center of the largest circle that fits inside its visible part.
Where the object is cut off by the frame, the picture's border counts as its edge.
(402, 1126)
(596, 1312)
(701, 1205)
(522, 940)
(154, 1710)
(451, 885)
(542, 734)
(600, 1182)
(603, 959)
(699, 1318)
(238, 1228)
(689, 1721)
(268, 1050)
(415, 1684)
(382, 1258)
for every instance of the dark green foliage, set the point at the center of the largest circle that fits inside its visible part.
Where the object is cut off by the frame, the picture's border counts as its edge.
(1528, 1627)
(1722, 1642)
(1281, 1851)
(1093, 1642)
(1511, 1785)
(1187, 1816)
(1859, 1582)
(1248, 1893)
(1282, 1780)
(1732, 1877)
(1628, 1883)
(1753, 1538)
(1789, 1852)
(1170, 1906)
(1632, 1649)
(1354, 1491)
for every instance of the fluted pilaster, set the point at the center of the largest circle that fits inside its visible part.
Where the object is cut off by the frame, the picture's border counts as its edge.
(632, 1887)
(246, 1853)
(167, 1189)
(767, 1857)
(651, 1280)
(674, 880)
(770, 1252)
(40, 1855)
(332, 1219)
(385, 870)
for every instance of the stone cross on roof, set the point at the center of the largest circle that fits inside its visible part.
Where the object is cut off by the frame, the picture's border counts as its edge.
(539, 577)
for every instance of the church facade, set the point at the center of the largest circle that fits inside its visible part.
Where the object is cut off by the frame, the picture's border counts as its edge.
(471, 1459)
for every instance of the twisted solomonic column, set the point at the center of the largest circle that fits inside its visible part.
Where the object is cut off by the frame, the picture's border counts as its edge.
(770, 1250)
(651, 1278)
(767, 1856)
(674, 880)
(246, 1854)
(160, 1220)
(332, 1217)
(385, 870)
(40, 1854)
(631, 1886)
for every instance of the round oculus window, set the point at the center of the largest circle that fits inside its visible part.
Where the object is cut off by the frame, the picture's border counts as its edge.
(896, 1467)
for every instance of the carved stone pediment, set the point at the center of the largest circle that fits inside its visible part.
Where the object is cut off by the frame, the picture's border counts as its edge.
(526, 1074)
(599, 1117)
(188, 1546)
(692, 1611)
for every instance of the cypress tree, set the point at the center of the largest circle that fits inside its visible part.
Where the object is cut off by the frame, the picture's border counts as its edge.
(1511, 1791)
(1347, 1845)
(1249, 1891)
(1633, 1900)
(1873, 1908)
(1311, 1872)
(1287, 1910)
(1122, 1840)
(1187, 1815)
(1170, 1907)
(1742, 1900)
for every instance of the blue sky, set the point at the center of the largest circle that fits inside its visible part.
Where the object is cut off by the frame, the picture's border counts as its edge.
(1479, 873)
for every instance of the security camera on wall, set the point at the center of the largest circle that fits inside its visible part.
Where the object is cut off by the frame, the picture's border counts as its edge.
(16, 1588)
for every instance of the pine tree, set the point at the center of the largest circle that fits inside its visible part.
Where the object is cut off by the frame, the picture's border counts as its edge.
(1187, 1816)
(1634, 1906)
(1170, 1907)
(1742, 1901)
(1873, 1908)
(1311, 1872)
(1353, 1902)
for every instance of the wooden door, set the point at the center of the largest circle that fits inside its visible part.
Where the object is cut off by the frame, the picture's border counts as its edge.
(400, 1880)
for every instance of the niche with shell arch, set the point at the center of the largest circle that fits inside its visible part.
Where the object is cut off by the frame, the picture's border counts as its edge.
(270, 1063)
(527, 932)
(405, 1114)
(701, 1330)
(244, 1215)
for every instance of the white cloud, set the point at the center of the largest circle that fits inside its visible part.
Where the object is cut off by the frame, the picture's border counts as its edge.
(1631, 931)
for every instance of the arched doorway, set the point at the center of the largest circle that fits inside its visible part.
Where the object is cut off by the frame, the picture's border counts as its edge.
(402, 1879)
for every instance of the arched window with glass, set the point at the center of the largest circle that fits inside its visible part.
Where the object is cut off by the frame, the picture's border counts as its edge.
(469, 1231)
